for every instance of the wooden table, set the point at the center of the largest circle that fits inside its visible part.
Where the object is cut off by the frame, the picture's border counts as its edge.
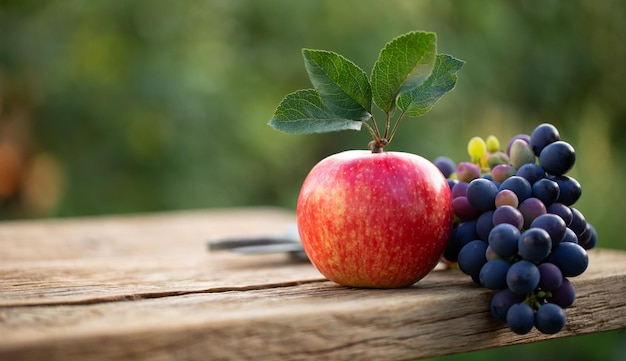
(144, 287)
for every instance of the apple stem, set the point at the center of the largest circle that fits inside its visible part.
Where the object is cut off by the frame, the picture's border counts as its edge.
(378, 142)
(376, 146)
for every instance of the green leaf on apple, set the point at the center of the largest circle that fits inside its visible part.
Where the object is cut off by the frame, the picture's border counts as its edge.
(303, 112)
(443, 79)
(342, 85)
(408, 75)
(403, 64)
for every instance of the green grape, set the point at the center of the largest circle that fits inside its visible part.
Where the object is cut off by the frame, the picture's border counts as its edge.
(476, 149)
(521, 154)
(493, 144)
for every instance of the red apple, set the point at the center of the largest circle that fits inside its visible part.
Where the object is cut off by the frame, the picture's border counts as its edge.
(375, 220)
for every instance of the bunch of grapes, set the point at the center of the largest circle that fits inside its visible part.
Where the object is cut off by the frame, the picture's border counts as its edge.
(516, 231)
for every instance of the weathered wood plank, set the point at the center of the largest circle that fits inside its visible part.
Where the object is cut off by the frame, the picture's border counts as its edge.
(172, 300)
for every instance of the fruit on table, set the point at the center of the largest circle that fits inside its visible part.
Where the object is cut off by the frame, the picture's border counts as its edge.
(374, 218)
(377, 220)
(521, 214)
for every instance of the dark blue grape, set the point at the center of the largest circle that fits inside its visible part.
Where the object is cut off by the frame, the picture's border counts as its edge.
(562, 211)
(452, 183)
(481, 193)
(501, 302)
(461, 235)
(531, 208)
(571, 258)
(503, 239)
(493, 274)
(570, 236)
(584, 237)
(521, 318)
(593, 238)
(543, 135)
(546, 190)
(520, 186)
(557, 158)
(534, 244)
(553, 224)
(550, 277)
(532, 172)
(508, 215)
(569, 190)
(579, 224)
(472, 258)
(522, 277)
(550, 318)
(563, 296)
(445, 165)
(484, 225)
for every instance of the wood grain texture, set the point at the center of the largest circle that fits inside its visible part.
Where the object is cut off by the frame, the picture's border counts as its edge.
(144, 288)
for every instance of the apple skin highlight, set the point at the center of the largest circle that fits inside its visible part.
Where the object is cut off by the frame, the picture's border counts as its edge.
(378, 220)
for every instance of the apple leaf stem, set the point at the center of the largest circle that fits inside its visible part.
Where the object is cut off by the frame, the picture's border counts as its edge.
(408, 75)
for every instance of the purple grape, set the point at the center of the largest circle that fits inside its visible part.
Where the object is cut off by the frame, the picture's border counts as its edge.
(550, 318)
(459, 189)
(467, 172)
(571, 259)
(472, 258)
(493, 274)
(562, 211)
(553, 224)
(534, 244)
(490, 254)
(501, 172)
(481, 193)
(563, 296)
(569, 190)
(546, 190)
(508, 215)
(522, 277)
(507, 197)
(501, 302)
(532, 172)
(503, 239)
(550, 277)
(463, 209)
(531, 208)
(520, 186)
(557, 158)
(543, 135)
(445, 165)
(521, 318)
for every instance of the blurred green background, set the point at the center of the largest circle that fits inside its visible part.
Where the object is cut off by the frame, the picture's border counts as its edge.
(136, 106)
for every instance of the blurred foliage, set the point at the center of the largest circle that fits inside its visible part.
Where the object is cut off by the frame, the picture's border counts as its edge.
(134, 106)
